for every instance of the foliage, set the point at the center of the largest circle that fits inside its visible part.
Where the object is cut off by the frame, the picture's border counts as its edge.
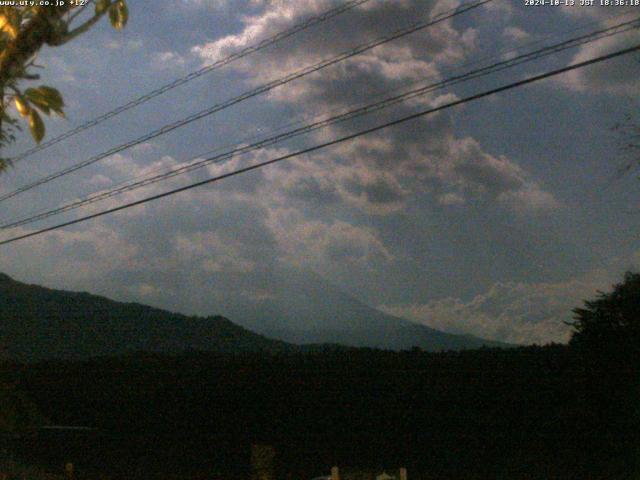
(24, 30)
(16, 410)
(43, 323)
(529, 412)
(607, 338)
(14, 470)
(611, 322)
(489, 413)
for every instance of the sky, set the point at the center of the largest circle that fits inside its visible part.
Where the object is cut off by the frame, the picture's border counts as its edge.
(494, 218)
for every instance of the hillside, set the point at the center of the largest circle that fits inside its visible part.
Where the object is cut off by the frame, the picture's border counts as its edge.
(41, 323)
(38, 323)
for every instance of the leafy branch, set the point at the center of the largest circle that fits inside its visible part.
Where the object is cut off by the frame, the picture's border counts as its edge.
(23, 32)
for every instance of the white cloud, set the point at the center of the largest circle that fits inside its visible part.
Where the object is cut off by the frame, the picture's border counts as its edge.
(500, 8)
(376, 173)
(515, 33)
(515, 312)
(210, 4)
(620, 76)
(119, 44)
(75, 257)
(451, 199)
(212, 253)
(328, 248)
(167, 60)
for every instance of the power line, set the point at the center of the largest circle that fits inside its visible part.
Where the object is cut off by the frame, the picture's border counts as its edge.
(504, 53)
(343, 139)
(334, 12)
(349, 115)
(253, 93)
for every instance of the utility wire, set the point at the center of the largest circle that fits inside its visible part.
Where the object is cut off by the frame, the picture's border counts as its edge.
(504, 53)
(349, 115)
(334, 12)
(253, 93)
(337, 141)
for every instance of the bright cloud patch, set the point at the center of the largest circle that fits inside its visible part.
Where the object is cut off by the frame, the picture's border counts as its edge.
(377, 172)
(511, 312)
(619, 77)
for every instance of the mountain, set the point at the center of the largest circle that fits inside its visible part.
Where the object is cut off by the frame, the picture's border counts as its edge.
(306, 309)
(39, 323)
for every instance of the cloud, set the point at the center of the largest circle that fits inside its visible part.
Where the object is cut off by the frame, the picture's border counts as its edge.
(222, 237)
(167, 60)
(596, 10)
(213, 253)
(516, 312)
(500, 9)
(73, 257)
(335, 211)
(451, 199)
(213, 5)
(620, 76)
(377, 173)
(328, 248)
(515, 34)
(117, 44)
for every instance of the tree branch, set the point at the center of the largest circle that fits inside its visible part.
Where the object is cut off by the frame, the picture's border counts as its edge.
(73, 16)
(62, 39)
(30, 39)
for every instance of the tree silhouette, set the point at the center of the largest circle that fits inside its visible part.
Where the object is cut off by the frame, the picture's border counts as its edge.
(610, 324)
(607, 339)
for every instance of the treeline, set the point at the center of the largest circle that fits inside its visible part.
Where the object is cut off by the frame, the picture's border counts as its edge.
(533, 412)
(319, 393)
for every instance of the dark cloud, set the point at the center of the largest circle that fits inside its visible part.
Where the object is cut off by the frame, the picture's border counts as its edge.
(383, 166)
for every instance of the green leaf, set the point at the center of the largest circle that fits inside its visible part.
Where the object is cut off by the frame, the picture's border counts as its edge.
(36, 125)
(113, 17)
(46, 99)
(43, 108)
(119, 14)
(38, 100)
(22, 105)
(53, 98)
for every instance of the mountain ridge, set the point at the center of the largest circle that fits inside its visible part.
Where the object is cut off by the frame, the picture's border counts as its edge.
(38, 323)
(306, 308)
